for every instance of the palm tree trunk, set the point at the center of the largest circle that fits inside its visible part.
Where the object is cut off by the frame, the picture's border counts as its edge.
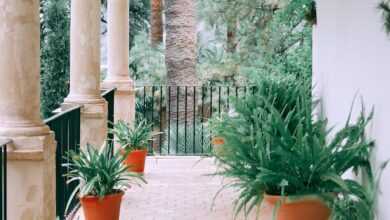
(231, 36)
(156, 22)
(180, 55)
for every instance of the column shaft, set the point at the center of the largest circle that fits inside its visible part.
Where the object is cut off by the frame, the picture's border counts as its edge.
(85, 71)
(118, 60)
(19, 72)
(118, 40)
(31, 156)
(85, 52)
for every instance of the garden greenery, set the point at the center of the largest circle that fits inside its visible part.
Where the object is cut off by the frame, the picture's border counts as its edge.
(132, 138)
(100, 172)
(55, 38)
(271, 38)
(146, 62)
(385, 8)
(273, 145)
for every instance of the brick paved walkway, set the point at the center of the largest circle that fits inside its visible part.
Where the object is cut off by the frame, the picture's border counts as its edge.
(178, 189)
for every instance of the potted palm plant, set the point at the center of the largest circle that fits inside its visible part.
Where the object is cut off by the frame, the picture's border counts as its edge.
(133, 141)
(103, 179)
(287, 166)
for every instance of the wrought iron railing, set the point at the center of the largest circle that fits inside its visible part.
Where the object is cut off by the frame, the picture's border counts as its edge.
(109, 96)
(3, 179)
(181, 123)
(66, 127)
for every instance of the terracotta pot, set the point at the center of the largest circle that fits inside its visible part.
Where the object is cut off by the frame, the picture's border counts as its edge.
(218, 143)
(305, 208)
(136, 160)
(107, 208)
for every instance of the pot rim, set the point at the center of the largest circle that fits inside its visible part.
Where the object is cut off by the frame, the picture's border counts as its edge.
(120, 193)
(217, 140)
(295, 198)
(132, 151)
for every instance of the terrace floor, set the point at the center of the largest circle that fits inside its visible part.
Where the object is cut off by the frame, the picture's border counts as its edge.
(179, 189)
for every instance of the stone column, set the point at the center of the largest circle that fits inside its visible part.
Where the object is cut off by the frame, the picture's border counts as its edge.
(118, 60)
(85, 71)
(31, 156)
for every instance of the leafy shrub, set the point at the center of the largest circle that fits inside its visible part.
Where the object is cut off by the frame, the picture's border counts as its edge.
(147, 62)
(178, 145)
(145, 108)
(216, 66)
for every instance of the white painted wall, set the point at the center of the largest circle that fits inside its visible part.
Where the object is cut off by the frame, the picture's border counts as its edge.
(351, 54)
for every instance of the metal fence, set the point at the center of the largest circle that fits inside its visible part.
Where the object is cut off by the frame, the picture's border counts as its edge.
(187, 134)
(3, 179)
(66, 127)
(109, 96)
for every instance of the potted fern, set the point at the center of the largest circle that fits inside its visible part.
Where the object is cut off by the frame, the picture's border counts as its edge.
(285, 164)
(103, 178)
(133, 142)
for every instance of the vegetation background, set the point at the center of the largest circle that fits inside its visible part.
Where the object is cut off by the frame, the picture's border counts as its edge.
(221, 42)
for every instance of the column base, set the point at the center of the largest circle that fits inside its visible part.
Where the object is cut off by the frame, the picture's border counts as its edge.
(124, 99)
(28, 129)
(31, 168)
(119, 84)
(93, 121)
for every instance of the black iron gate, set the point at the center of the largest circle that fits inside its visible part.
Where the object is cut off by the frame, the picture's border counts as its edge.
(187, 134)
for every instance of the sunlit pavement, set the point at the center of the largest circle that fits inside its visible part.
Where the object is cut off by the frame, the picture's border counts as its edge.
(179, 188)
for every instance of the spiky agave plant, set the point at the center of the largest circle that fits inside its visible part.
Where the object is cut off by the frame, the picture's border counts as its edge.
(132, 138)
(276, 150)
(100, 173)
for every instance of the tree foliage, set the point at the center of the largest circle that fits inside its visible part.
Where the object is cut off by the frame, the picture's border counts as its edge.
(273, 37)
(147, 62)
(55, 23)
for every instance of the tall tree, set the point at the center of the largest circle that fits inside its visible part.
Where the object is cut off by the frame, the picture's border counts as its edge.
(181, 50)
(156, 22)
